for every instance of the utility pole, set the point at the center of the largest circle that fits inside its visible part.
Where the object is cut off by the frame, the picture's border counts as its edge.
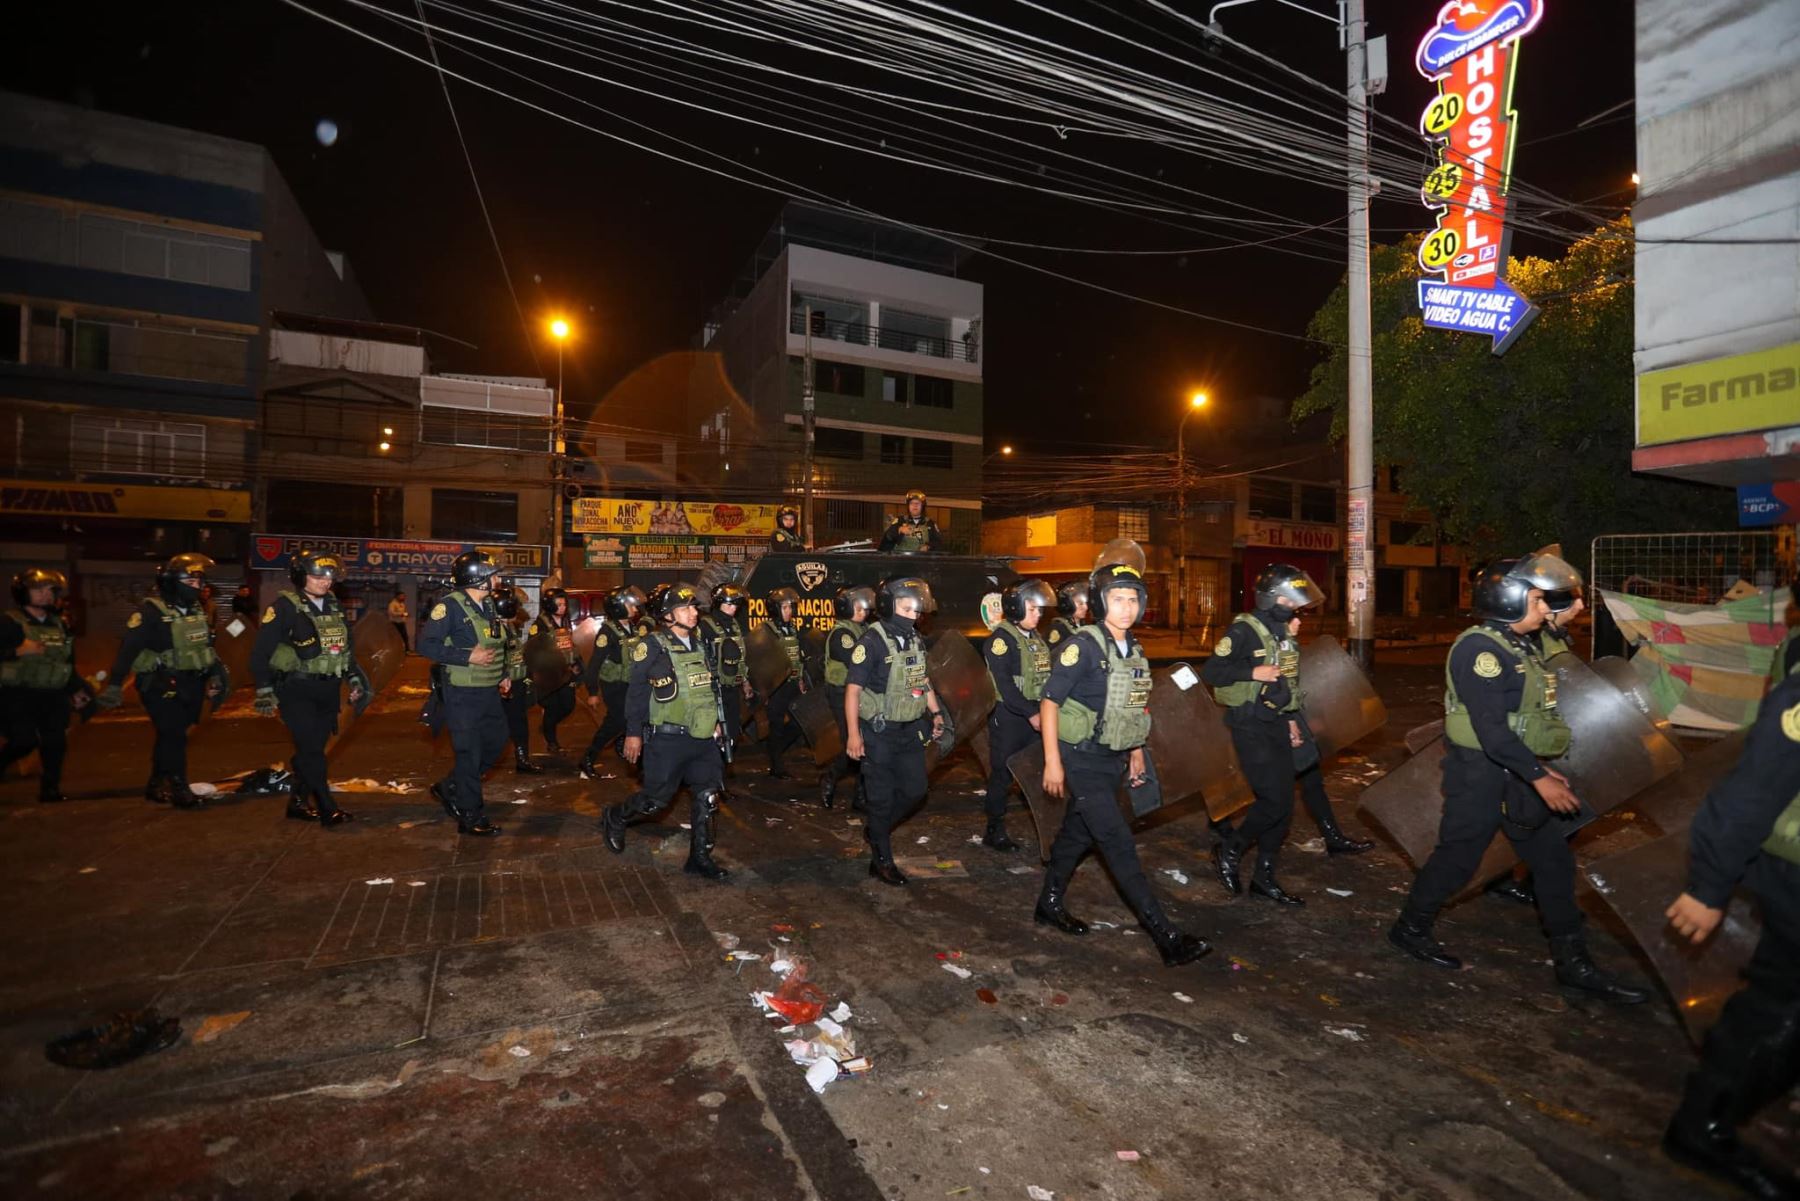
(808, 407)
(1359, 572)
(1181, 591)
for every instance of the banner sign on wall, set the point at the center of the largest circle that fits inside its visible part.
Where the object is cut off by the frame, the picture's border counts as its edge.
(656, 552)
(389, 557)
(599, 515)
(1471, 52)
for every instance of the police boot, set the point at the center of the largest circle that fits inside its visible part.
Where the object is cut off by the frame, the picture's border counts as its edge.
(523, 765)
(1339, 843)
(49, 794)
(1413, 936)
(443, 790)
(587, 769)
(329, 813)
(1176, 947)
(860, 802)
(300, 808)
(881, 864)
(1513, 888)
(1050, 910)
(613, 820)
(1262, 883)
(184, 797)
(1576, 969)
(996, 837)
(159, 791)
(1737, 1077)
(700, 841)
(1228, 854)
(827, 788)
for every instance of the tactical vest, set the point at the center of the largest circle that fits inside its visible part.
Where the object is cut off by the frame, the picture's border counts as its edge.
(515, 651)
(333, 658)
(612, 669)
(837, 672)
(52, 669)
(1060, 628)
(913, 543)
(1784, 840)
(1034, 661)
(790, 645)
(686, 698)
(1553, 642)
(487, 633)
(1537, 722)
(1283, 653)
(1778, 665)
(190, 643)
(562, 636)
(1123, 723)
(907, 684)
(725, 634)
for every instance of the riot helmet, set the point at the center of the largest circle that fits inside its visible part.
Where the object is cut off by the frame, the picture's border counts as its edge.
(316, 564)
(913, 494)
(1112, 577)
(785, 512)
(33, 578)
(1288, 586)
(1016, 597)
(1071, 599)
(899, 588)
(172, 578)
(1500, 595)
(779, 597)
(548, 602)
(669, 597)
(624, 601)
(509, 603)
(729, 594)
(848, 598)
(473, 568)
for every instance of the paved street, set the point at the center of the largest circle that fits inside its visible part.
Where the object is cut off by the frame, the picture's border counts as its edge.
(390, 1010)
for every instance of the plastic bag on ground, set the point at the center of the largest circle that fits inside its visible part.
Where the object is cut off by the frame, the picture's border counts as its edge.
(130, 1034)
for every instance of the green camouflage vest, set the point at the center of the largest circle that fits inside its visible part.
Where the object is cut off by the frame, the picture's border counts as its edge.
(1034, 661)
(685, 698)
(487, 633)
(190, 643)
(52, 669)
(1283, 653)
(333, 658)
(907, 683)
(837, 672)
(1537, 722)
(1123, 723)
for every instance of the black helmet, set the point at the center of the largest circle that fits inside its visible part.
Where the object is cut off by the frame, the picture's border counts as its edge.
(621, 601)
(913, 494)
(1016, 597)
(473, 567)
(1111, 577)
(509, 603)
(787, 511)
(847, 598)
(669, 597)
(314, 563)
(548, 597)
(729, 594)
(897, 589)
(780, 597)
(1071, 597)
(172, 577)
(1501, 595)
(1286, 585)
(39, 577)
(1554, 574)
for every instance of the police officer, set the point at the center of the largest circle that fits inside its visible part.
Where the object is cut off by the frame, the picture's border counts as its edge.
(1786, 659)
(1502, 727)
(38, 682)
(787, 530)
(1071, 612)
(672, 721)
(1018, 662)
(912, 532)
(784, 605)
(554, 624)
(518, 696)
(168, 645)
(1254, 673)
(1094, 720)
(724, 634)
(853, 606)
(466, 635)
(1747, 830)
(608, 670)
(891, 711)
(303, 654)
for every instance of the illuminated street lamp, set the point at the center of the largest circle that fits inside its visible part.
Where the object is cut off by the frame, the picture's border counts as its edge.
(1196, 401)
(559, 332)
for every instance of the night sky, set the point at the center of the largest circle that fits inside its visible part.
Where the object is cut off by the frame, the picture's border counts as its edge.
(637, 249)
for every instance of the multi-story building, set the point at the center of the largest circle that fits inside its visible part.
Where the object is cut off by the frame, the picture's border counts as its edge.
(892, 338)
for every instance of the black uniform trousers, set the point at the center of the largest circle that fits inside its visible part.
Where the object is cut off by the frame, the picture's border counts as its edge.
(557, 707)
(173, 700)
(1008, 734)
(36, 719)
(893, 774)
(517, 706)
(1474, 789)
(1266, 751)
(612, 695)
(1753, 1052)
(673, 760)
(731, 702)
(1094, 821)
(309, 709)
(784, 731)
(843, 764)
(478, 735)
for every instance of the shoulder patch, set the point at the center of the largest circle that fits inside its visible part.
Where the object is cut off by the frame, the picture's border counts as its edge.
(268, 615)
(640, 652)
(135, 620)
(848, 642)
(1487, 665)
(1224, 647)
(599, 639)
(1790, 723)
(1071, 654)
(1055, 637)
(999, 646)
(439, 611)
(860, 654)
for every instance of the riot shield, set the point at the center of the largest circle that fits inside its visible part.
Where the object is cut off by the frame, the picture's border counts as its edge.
(812, 711)
(1420, 737)
(234, 650)
(546, 660)
(1339, 701)
(766, 661)
(1622, 675)
(1027, 767)
(1614, 754)
(960, 678)
(1191, 744)
(812, 655)
(379, 652)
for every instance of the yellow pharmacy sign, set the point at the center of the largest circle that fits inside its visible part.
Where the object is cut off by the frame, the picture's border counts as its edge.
(1733, 395)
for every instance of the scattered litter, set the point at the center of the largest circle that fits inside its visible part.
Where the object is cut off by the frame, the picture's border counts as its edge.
(203, 789)
(87, 871)
(975, 840)
(941, 1105)
(363, 784)
(1340, 892)
(217, 1024)
(1039, 1194)
(822, 1073)
(861, 1063)
(1176, 874)
(727, 942)
(743, 956)
(781, 928)
(987, 996)
(415, 884)
(1238, 1038)
(1059, 998)
(961, 973)
(1024, 869)
(1363, 976)
(1183, 998)
(519, 800)
(237, 627)
(983, 1171)
(923, 839)
(519, 1051)
(130, 1034)
(930, 866)
(855, 821)
(772, 821)
(1105, 925)
(842, 1012)
(949, 954)
(687, 825)
(380, 880)
(1127, 1156)
(1242, 964)
(957, 1192)
(1330, 1000)
(1313, 846)
(1354, 1036)
(781, 967)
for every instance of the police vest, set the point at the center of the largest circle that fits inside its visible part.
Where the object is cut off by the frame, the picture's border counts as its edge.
(1778, 670)
(489, 634)
(1537, 722)
(611, 644)
(790, 644)
(908, 544)
(685, 697)
(52, 669)
(1553, 642)
(724, 633)
(1283, 653)
(515, 652)
(190, 643)
(781, 539)
(1034, 660)
(1061, 628)
(333, 658)
(837, 672)
(562, 636)
(1784, 840)
(1123, 723)
(904, 697)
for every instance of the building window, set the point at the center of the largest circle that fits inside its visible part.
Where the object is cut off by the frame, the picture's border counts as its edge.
(12, 333)
(893, 387)
(1271, 499)
(853, 516)
(338, 509)
(44, 234)
(1318, 504)
(840, 379)
(1409, 533)
(1134, 524)
(931, 392)
(486, 429)
(932, 452)
(124, 446)
(830, 442)
(129, 349)
(458, 516)
(643, 452)
(893, 450)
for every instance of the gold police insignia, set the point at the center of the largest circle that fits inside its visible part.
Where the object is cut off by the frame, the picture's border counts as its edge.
(640, 652)
(600, 640)
(859, 654)
(1790, 723)
(1487, 665)
(268, 615)
(999, 645)
(438, 611)
(1224, 647)
(134, 621)
(848, 642)
(1071, 654)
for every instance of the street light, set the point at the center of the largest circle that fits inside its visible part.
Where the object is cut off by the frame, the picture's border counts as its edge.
(1196, 401)
(559, 331)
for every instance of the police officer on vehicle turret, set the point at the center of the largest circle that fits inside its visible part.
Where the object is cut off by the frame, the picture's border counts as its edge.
(854, 605)
(1071, 612)
(1502, 726)
(303, 654)
(784, 608)
(892, 711)
(673, 722)
(1254, 673)
(517, 695)
(466, 635)
(1018, 662)
(1094, 721)
(555, 623)
(723, 629)
(786, 535)
(608, 670)
(38, 682)
(168, 646)
(912, 532)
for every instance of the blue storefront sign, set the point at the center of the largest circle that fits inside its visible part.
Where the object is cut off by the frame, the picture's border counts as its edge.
(1499, 312)
(390, 557)
(1769, 504)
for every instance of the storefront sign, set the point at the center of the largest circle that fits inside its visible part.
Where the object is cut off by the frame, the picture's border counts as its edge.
(61, 498)
(1733, 395)
(1472, 54)
(1769, 504)
(389, 557)
(1293, 535)
(656, 552)
(595, 515)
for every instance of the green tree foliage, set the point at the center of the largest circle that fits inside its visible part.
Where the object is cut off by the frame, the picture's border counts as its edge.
(1532, 447)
